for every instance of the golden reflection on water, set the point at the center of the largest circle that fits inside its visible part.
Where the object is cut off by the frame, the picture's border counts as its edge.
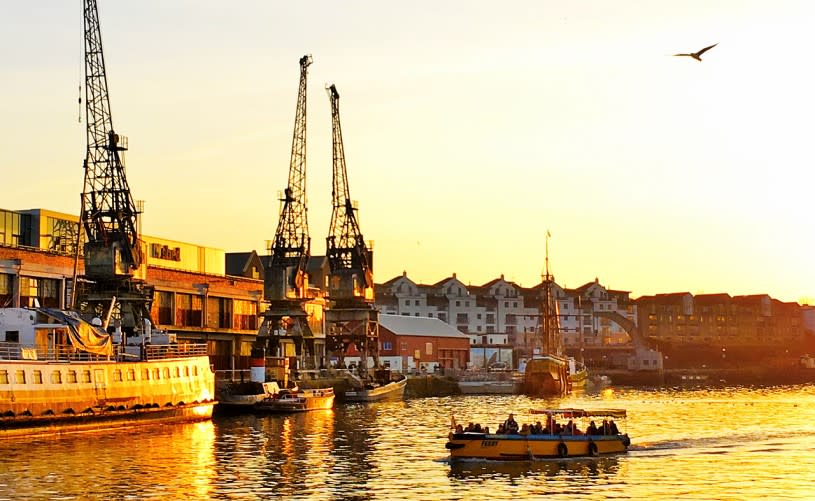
(730, 443)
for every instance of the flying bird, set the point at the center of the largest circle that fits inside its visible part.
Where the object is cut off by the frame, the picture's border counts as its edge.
(698, 55)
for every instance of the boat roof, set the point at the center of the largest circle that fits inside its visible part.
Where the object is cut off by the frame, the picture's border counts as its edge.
(616, 413)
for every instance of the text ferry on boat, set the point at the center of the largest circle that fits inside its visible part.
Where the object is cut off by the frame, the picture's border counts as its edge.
(559, 433)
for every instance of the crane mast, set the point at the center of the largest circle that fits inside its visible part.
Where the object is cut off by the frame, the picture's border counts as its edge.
(113, 252)
(292, 245)
(351, 315)
(286, 280)
(349, 259)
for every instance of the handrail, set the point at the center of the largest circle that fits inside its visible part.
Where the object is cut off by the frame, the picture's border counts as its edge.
(68, 353)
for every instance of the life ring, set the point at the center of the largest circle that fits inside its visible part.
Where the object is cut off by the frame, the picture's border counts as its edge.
(562, 450)
(593, 449)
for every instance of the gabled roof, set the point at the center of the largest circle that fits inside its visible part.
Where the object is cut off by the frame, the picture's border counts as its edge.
(419, 326)
(712, 298)
(236, 262)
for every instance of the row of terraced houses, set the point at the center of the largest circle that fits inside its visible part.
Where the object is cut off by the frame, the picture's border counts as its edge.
(205, 294)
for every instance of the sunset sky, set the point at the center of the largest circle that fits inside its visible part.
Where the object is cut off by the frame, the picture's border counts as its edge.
(470, 128)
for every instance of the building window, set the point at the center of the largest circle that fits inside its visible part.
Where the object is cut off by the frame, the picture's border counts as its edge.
(5, 288)
(407, 302)
(514, 304)
(162, 309)
(458, 303)
(416, 303)
(245, 315)
(430, 315)
(387, 345)
(219, 312)
(416, 314)
(428, 348)
(462, 319)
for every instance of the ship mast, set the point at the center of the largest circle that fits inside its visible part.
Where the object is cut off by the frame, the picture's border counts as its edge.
(550, 324)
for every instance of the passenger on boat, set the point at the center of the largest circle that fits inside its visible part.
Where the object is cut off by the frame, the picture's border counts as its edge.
(510, 424)
(502, 430)
(612, 426)
(592, 429)
(524, 429)
(537, 429)
(459, 429)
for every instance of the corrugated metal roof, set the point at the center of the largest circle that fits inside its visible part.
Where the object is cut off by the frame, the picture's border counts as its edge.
(419, 326)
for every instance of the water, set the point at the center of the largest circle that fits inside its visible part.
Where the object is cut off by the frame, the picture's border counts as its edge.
(733, 443)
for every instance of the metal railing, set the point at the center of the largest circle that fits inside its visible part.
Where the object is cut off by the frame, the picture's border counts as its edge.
(68, 353)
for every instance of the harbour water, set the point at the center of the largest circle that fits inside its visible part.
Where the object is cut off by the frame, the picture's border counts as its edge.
(725, 443)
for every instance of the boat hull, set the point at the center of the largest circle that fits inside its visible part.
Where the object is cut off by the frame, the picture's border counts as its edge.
(526, 447)
(47, 397)
(546, 376)
(308, 400)
(394, 390)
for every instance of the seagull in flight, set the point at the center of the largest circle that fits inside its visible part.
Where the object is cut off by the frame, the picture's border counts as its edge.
(698, 55)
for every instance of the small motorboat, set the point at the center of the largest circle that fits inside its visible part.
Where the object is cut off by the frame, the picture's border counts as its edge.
(297, 401)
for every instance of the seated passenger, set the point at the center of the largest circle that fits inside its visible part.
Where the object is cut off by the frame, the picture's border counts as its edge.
(510, 424)
(477, 428)
(502, 430)
(459, 429)
(524, 429)
(612, 427)
(605, 427)
(592, 429)
(538, 428)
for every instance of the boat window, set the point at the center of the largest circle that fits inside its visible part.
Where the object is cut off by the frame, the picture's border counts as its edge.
(19, 377)
(156, 373)
(131, 374)
(166, 373)
(187, 371)
(3, 377)
(56, 377)
(86, 376)
(117, 375)
(177, 371)
(145, 374)
(12, 336)
(71, 377)
(36, 377)
(194, 370)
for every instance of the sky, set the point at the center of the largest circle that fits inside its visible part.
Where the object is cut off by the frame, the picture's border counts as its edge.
(470, 129)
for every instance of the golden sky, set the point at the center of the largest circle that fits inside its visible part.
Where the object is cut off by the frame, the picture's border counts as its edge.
(470, 129)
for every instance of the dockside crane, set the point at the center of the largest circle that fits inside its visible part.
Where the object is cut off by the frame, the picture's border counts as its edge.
(351, 316)
(113, 251)
(286, 279)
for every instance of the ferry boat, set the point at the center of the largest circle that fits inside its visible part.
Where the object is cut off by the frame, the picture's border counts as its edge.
(61, 374)
(298, 401)
(552, 440)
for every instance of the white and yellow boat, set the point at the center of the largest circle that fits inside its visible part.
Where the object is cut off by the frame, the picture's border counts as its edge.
(551, 441)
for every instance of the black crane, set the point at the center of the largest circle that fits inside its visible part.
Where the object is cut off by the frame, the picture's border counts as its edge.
(351, 315)
(286, 280)
(113, 252)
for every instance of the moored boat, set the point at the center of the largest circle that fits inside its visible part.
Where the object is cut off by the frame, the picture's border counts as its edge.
(549, 440)
(491, 383)
(59, 374)
(391, 389)
(297, 401)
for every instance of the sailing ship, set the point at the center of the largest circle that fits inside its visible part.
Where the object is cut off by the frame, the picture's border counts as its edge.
(546, 372)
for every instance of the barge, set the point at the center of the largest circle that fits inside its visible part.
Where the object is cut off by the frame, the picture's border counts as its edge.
(61, 374)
